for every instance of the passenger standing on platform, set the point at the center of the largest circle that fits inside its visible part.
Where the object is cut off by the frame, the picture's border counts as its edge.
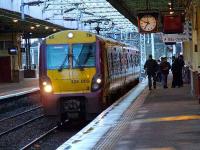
(158, 74)
(176, 71)
(151, 67)
(164, 66)
(181, 64)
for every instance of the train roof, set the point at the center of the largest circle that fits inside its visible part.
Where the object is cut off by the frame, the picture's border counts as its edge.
(125, 45)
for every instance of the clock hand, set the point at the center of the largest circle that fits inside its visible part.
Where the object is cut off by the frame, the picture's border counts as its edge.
(144, 21)
(146, 25)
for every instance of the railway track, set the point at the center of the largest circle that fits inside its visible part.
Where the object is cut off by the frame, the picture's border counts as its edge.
(44, 135)
(19, 114)
(15, 118)
(20, 125)
(39, 138)
(15, 102)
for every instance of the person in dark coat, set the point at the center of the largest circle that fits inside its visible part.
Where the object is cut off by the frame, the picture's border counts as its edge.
(181, 64)
(151, 67)
(165, 67)
(176, 71)
(158, 74)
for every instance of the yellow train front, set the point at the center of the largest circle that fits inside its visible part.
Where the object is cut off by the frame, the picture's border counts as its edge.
(77, 75)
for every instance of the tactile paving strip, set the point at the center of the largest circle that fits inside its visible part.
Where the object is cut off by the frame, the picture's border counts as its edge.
(109, 140)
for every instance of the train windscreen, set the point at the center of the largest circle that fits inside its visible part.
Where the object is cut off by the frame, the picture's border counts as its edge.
(83, 55)
(57, 56)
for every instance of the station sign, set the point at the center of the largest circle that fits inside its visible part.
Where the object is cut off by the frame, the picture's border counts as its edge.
(167, 38)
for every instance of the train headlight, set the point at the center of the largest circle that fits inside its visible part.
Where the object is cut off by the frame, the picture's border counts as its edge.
(48, 88)
(98, 80)
(70, 35)
(96, 83)
(46, 85)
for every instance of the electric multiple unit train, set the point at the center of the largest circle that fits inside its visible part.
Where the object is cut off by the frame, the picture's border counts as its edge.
(79, 71)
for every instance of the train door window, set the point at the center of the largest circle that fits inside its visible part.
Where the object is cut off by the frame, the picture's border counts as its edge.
(116, 63)
(137, 60)
(109, 61)
(84, 55)
(57, 56)
(127, 60)
(120, 60)
(131, 60)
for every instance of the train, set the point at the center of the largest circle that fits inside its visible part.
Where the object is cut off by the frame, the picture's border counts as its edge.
(79, 72)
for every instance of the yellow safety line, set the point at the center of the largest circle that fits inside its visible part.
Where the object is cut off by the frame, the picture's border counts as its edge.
(173, 118)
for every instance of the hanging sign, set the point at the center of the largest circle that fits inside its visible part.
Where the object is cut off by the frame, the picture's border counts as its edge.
(172, 24)
(174, 38)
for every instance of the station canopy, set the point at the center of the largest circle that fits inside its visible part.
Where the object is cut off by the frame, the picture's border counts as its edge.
(130, 8)
(110, 15)
(11, 22)
(89, 14)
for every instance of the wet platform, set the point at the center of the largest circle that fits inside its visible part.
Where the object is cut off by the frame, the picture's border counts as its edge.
(26, 86)
(161, 119)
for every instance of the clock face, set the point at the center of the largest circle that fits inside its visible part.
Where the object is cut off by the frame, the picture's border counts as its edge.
(148, 23)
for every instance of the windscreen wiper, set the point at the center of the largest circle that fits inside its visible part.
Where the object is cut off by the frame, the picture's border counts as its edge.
(63, 63)
(78, 63)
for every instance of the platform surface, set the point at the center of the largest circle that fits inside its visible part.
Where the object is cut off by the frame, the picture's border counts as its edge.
(169, 119)
(160, 119)
(26, 86)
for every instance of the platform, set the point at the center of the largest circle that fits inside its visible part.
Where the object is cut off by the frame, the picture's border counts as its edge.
(161, 119)
(26, 86)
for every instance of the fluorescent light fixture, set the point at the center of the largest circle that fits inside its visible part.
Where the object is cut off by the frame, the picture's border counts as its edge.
(15, 20)
(32, 27)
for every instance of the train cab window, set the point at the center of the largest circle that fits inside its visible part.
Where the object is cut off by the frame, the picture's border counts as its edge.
(57, 56)
(83, 55)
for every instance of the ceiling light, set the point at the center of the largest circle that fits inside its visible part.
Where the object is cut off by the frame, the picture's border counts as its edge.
(32, 27)
(46, 27)
(169, 3)
(37, 25)
(171, 12)
(54, 30)
(15, 20)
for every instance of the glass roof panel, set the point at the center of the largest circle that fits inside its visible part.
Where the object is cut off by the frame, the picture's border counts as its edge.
(87, 15)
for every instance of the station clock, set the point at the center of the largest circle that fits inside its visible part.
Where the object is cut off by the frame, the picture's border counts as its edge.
(148, 22)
